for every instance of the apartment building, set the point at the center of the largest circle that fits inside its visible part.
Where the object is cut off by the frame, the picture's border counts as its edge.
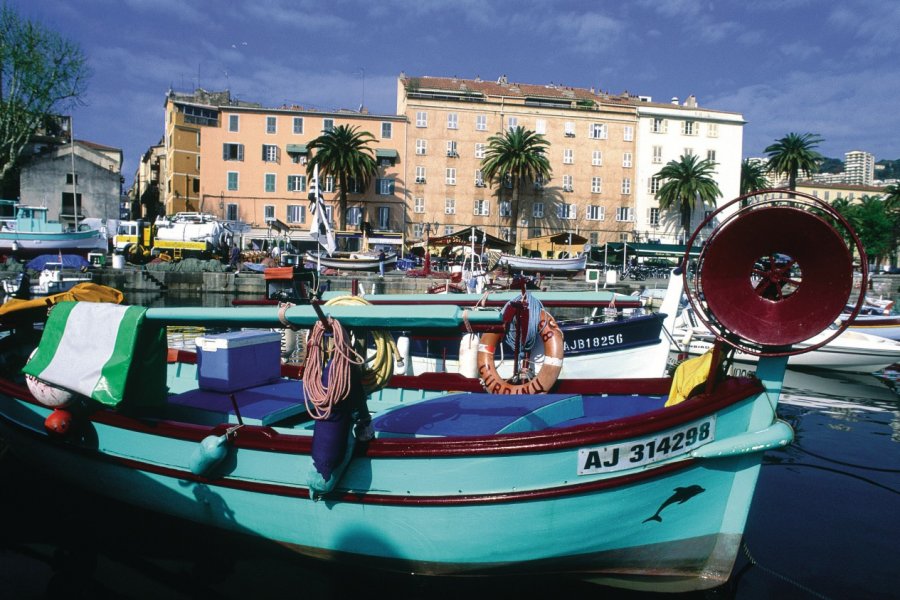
(668, 131)
(591, 153)
(829, 192)
(254, 168)
(859, 167)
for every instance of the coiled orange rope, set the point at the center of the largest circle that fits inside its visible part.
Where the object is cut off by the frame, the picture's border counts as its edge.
(320, 399)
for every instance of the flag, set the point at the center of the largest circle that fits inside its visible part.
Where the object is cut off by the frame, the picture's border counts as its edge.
(90, 347)
(319, 227)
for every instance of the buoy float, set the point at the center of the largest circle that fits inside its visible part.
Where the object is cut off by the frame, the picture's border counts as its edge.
(211, 451)
(468, 355)
(402, 363)
(59, 422)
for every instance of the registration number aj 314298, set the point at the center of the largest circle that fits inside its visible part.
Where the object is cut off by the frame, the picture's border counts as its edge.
(644, 451)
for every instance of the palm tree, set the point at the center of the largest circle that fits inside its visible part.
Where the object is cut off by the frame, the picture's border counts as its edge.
(343, 153)
(687, 183)
(520, 155)
(793, 154)
(753, 176)
(892, 197)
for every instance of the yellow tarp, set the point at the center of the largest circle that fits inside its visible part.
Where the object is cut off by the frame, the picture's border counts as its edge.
(689, 375)
(84, 292)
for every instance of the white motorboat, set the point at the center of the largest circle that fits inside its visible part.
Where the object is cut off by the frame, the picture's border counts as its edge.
(543, 265)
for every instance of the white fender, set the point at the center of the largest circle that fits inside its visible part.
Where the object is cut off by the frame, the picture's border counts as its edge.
(468, 355)
(288, 342)
(48, 395)
(401, 366)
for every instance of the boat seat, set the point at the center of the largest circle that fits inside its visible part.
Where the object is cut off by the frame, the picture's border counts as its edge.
(598, 409)
(470, 414)
(260, 405)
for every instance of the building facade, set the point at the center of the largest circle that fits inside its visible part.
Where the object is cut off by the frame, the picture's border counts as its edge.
(859, 168)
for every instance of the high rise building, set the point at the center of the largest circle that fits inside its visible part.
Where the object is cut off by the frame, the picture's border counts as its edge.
(859, 168)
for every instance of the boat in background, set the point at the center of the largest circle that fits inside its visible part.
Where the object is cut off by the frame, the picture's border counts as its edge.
(350, 261)
(31, 233)
(525, 264)
(638, 483)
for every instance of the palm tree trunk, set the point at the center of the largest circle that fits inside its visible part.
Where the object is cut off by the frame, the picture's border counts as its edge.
(342, 202)
(514, 214)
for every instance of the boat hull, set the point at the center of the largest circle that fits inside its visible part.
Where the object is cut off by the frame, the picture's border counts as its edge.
(395, 504)
(543, 265)
(354, 262)
(35, 243)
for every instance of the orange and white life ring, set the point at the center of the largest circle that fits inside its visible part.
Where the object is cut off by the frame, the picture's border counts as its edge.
(552, 337)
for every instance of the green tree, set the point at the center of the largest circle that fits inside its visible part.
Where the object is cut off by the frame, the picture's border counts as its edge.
(794, 153)
(344, 154)
(753, 176)
(41, 74)
(686, 184)
(517, 156)
(892, 197)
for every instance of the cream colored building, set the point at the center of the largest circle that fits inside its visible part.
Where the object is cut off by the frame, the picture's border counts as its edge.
(591, 152)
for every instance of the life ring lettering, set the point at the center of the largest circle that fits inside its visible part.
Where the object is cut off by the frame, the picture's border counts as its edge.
(546, 377)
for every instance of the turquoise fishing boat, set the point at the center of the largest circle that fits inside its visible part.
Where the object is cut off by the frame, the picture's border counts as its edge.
(637, 483)
(31, 232)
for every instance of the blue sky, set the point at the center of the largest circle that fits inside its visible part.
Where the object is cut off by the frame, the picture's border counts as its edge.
(818, 66)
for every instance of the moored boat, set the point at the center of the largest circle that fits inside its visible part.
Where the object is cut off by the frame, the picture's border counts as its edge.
(31, 233)
(527, 264)
(641, 483)
(351, 261)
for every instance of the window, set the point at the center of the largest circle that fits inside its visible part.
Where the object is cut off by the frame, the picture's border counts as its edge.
(269, 212)
(596, 212)
(626, 160)
(452, 120)
(420, 174)
(421, 147)
(327, 125)
(418, 230)
(570, 129)
(70, 177)
(537, 210)
(568, 156)
(296, 213)
(711, 155)
(419, 205)
(296, 183)
(450, 178)
(594, 238)
(689, 128)
(481, 122)
(448, 229)
(234, 122)
(512, 122)
(655, 184)
(231, 212)
(232, 181)
(597, 131)
(482, 208)
(505, 208)
(232, 152)
(597, 158)
(385, 186)
(596, 185)
(329, 184)
(271, 124)
(384, 217)
(567, 183)
(657, 155)
(329, 214)
(659, 125)
(479, 150)
(451, 149)
(540, 126)
(298, 159)
(689, 152)
(479, 178)
(354, 186)
(653, 217)
(623, 213)
(421, 118)
(565, 211)
(536, 231)
(626, 185)
(354, 216)
(270, 153)
(270, 182)
(628, 133)
(505, 233)
(386, 131)
(712, 130)
(298, 125)
(450, 206)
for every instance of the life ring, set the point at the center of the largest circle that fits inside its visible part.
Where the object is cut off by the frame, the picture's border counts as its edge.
(552, 337)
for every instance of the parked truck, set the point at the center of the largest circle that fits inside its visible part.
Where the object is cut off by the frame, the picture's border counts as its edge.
(184, 235)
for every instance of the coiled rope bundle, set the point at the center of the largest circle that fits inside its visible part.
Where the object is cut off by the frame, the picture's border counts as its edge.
(535, 307)
(320, 399)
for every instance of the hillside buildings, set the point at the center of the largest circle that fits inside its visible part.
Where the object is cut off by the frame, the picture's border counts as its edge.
(247, 163)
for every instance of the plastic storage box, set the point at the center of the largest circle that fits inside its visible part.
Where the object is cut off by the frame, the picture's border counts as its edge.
(228, 362)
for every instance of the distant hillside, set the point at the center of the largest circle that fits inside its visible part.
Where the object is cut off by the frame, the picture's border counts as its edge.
(832, 165)
(891, 169)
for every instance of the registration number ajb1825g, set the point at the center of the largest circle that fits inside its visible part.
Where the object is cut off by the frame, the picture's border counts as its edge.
(644, 451)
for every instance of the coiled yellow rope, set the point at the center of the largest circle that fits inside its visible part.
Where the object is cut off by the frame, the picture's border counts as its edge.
(381, 367)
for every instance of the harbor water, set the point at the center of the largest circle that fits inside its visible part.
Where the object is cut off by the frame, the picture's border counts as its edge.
(823, 524)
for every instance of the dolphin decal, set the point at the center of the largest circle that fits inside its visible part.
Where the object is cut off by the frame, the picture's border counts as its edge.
(681, 495)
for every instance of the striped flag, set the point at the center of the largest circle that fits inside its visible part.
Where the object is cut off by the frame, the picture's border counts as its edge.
(90, 347)
(319, 227)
